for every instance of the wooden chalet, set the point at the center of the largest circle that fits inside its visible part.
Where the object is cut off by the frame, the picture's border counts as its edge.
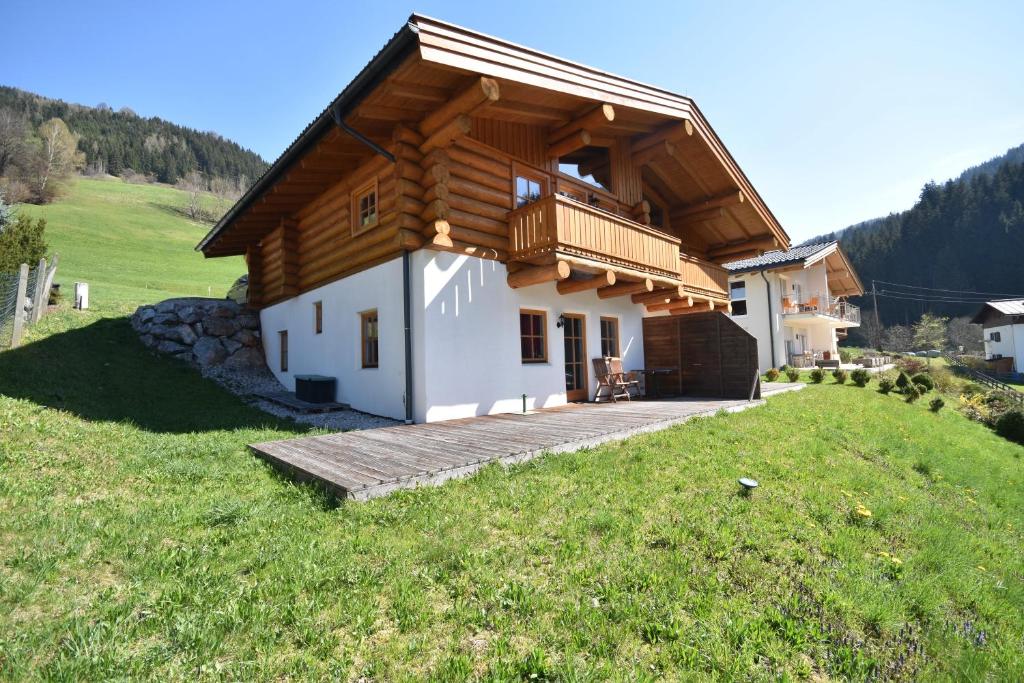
(456, 160)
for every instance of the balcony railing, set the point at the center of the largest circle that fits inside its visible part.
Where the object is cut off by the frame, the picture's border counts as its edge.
(821, 304)
(558, 224)
(703, 277)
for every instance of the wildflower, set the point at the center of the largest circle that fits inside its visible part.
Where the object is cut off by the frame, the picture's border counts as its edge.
(897, 561)
(862, 511)
(981, 568)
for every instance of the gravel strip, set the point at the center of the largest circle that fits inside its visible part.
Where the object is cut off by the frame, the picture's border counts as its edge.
(246, 383)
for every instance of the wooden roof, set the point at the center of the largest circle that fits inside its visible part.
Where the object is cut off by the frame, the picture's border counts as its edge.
(427, 61)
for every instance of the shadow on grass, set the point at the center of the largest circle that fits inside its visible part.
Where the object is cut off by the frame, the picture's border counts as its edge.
(207, 215)
(102, 372)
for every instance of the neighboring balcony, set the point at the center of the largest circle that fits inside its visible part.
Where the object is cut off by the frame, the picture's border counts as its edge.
(821, 307)
(561, 226)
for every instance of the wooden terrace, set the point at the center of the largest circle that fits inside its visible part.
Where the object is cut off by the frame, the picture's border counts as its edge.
(374, 462)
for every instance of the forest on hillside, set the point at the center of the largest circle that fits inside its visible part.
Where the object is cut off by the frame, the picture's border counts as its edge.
(117, 142)
(965, 235)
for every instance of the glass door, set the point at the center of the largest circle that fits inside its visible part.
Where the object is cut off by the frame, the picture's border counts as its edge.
(575, 357)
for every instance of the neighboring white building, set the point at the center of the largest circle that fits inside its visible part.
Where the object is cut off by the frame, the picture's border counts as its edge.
(1002, 323)
(794, 302)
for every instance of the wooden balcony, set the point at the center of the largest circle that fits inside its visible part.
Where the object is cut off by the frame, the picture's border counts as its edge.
(558, 225)
(703, 277)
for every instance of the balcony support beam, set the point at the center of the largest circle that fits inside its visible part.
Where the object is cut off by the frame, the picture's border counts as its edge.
(660, 295)
(480, 93)
(600, 116)
(567, 145)
(605, 279)
(625, 288)
(535, 275)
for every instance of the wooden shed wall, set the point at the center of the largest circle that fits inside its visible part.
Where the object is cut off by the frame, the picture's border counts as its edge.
(713, 356)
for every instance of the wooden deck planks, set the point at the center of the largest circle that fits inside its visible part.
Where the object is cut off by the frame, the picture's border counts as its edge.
(369, 463)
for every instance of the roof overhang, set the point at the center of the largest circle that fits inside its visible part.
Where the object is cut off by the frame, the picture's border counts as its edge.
(703, 172)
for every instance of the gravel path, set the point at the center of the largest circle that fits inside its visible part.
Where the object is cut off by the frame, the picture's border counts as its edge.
(245, 383)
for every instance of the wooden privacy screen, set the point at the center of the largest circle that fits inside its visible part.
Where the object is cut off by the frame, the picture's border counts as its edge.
(712, 355)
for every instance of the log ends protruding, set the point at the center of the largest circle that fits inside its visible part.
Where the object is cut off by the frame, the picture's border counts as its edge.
(605, 279)
(536, 275)
(625, 289)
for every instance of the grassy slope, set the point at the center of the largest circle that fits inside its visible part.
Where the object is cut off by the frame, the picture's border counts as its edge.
(131, 243)
(140, 538)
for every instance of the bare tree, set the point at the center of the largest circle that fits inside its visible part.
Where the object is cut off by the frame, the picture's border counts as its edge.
(964, 336)
(194, 184)
(60, 155)
(897, 338)
(13, 134)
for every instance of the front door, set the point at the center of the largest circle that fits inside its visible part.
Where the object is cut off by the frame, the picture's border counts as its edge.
(575, 357)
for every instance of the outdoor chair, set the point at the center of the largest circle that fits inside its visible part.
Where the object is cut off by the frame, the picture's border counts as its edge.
(612, 382)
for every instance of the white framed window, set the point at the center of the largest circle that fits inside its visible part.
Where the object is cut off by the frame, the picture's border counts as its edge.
(738, 297)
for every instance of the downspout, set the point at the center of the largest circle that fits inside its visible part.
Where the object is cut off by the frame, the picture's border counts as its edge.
(771, 323)
(407, 312)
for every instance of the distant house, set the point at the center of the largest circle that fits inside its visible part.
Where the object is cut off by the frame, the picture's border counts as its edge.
(1002, 324)
(471, 222)
(794, 302)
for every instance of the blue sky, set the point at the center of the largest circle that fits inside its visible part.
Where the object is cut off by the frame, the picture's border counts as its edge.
(838, 112)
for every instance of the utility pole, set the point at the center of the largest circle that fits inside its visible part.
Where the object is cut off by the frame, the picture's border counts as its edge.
(874, 298)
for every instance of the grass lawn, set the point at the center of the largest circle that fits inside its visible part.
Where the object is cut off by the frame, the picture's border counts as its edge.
(141, 539)
(131, 243)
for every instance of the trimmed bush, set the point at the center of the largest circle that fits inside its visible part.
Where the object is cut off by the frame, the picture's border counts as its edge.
(860, 377)
(784, 367)
(935, 405)
(902, 382)
(817, 375)
(845, 356)
(1010, 425)
(793, 374)
(886, 384)
(911, 393)
(840, 375)
(923, 381)
(771, 375)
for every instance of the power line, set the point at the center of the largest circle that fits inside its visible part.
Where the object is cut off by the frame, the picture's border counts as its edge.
(939, 289)
(939, 300)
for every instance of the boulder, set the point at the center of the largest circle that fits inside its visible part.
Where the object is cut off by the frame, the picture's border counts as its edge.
(219, 327)
(189, 314)
(223, 309)
(180, 333)
(144, 314)
(167, 346)
(231, 345)
(249, 321)
(209, 351)
(147, 339)
(165, 319)
(245, 358)
(247, 337)
(167, 306)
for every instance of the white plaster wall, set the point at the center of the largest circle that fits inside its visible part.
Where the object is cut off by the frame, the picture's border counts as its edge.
(1011, 343)
(467, 357)
(336, 352)
(757, 322)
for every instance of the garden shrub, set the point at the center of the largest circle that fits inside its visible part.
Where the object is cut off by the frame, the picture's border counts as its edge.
(911, 366)
(943, 378)
(817, 375)
(845, 356)
(860, 377)
(784, 367)
(998, 404)
(973, 389)
(1010, 425)
(911, 393)
(771, 375)
(935, 405)
(793, 374)
(840, 375)
(886, 384)
(923, 381)
(902, 382)
(974, 408)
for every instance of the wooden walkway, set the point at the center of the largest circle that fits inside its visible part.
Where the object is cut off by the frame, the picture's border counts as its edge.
(374, 462)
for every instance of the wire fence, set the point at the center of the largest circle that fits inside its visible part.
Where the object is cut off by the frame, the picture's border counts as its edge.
(35, 283)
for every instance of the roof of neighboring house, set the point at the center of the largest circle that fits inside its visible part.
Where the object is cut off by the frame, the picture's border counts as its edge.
(843, 280)
(431, 53)
(1004, 306)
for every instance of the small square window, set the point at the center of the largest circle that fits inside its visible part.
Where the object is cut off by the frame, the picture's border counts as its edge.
(528, 190)
(364, 208)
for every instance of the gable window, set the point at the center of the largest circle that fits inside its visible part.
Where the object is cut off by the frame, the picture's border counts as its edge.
(609, 336)
(282, 339)
(369, 341)
(528, 190)
(364, 207)
(532, 336)
(738, 297)
(318, 317)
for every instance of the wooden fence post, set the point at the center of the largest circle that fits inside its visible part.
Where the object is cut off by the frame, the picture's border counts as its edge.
(51, 272)
(37, 296)
(19, 306)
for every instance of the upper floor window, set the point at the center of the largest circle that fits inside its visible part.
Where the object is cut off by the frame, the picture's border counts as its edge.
(364, 207)
(738, 297)
(528, 190)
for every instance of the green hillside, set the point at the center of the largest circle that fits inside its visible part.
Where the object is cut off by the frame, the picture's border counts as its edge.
(132, 244)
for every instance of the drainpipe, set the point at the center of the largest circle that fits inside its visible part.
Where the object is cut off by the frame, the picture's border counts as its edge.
(407, 312)
(771, 323)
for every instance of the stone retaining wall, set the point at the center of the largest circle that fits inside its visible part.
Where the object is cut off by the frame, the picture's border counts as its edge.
(206, 332)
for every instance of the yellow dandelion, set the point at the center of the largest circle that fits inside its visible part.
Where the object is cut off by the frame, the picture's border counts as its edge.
(845, 493)
(863, 511)
(882, 553)
(981, 568)
(897, 561)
